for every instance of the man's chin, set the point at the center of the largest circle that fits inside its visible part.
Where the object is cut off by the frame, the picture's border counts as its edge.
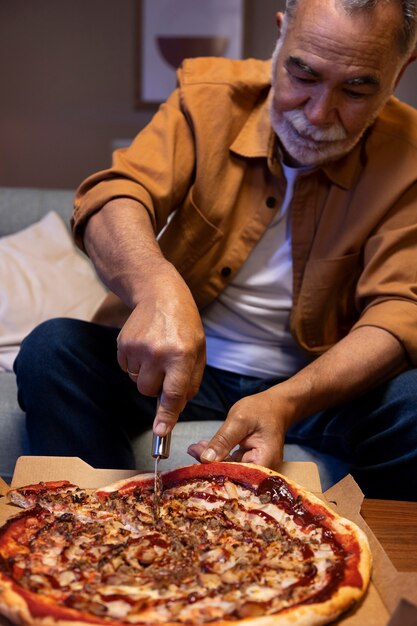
(310, 157)
(301, 151)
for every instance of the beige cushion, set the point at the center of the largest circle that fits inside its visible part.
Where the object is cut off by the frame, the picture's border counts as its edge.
(42, 275)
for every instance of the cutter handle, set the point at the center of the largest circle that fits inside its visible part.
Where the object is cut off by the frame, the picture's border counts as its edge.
(161, 446)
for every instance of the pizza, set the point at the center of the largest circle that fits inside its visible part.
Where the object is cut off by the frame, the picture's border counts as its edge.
(231, 544)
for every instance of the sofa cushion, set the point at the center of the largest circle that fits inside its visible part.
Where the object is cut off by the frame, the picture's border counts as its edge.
(42, 275)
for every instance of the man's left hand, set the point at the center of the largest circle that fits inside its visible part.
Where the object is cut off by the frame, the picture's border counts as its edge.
(253, 425)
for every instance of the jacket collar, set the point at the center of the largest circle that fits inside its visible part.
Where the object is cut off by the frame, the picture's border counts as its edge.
(254, 138)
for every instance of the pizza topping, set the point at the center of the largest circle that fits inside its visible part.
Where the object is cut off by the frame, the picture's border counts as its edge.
(221, 549)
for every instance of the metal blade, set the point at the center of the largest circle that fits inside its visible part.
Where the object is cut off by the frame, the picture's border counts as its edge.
(160, 450)
(156, 491)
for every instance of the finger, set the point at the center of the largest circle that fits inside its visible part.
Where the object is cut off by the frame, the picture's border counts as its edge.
(128, 354)
(133, 374)
(150, 380)
(237, 455)
(230, 434)
(174, 397)
(121, 358)
(240, 455)
(128, 362)
(166, 416)
(196, 449)
(267, 456)
(196, 376)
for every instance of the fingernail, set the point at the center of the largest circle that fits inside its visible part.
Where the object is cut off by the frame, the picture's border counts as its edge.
(208, 455)
(161, 429)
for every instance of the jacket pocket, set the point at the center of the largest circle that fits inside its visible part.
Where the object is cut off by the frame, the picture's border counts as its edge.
(327, 307)
(189, 236)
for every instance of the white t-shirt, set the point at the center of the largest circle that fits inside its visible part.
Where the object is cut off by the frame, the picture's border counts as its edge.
(247, 327)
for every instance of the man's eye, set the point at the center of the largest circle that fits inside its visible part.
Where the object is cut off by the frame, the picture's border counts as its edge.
(305, 80)
(356, 95)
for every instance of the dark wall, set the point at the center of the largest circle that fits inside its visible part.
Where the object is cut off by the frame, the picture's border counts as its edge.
(67, 71)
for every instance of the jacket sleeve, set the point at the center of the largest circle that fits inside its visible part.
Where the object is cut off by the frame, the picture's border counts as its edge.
(387, 288)
(156, 170)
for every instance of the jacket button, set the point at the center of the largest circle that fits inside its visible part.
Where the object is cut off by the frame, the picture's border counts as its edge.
(271, 202)
(226, 271)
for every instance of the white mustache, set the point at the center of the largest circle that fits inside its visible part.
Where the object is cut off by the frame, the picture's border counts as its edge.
(301, 124)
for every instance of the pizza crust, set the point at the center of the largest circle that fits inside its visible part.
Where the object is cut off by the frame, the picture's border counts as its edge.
(12, 605)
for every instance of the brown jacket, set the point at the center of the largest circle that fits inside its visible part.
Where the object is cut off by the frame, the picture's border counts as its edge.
(209, 159)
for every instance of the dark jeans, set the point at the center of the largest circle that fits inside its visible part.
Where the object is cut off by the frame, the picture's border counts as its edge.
(78, 402)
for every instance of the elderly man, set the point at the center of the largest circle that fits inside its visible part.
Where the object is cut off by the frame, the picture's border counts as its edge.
(281, 294)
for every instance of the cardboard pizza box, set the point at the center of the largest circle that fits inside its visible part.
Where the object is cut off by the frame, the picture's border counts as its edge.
(388, 587)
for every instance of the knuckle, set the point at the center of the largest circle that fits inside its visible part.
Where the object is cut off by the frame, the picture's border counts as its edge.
(173, 401)
(221, 440)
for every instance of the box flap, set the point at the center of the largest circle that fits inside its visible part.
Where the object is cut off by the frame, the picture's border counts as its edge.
(305, 473)
(4, 487)
(33, 469)
(392, 585)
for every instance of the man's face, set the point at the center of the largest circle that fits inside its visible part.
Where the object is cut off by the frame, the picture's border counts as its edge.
(332, 74)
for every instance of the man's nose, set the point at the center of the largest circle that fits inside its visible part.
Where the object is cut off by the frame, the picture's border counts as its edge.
(321, 109)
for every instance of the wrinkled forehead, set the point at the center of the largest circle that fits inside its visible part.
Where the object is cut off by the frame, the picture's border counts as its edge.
(325, 26)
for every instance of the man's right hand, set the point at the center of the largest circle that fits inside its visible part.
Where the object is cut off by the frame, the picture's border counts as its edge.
(162, 346)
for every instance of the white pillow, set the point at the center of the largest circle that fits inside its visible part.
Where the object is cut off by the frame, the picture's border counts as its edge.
(42, 275)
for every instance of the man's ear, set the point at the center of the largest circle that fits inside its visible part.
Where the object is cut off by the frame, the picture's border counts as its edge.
(411, 58)
(279, 18)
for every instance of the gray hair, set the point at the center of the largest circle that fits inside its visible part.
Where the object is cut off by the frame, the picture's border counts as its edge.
(409, 9)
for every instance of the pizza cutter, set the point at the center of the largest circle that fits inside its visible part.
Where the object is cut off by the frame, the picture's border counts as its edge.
(160, 450)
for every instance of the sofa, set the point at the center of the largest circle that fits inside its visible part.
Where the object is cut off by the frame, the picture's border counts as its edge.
(25, 216)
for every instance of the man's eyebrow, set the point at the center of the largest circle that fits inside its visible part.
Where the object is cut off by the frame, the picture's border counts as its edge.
(357, 81)
(363, 80)
(297, 62)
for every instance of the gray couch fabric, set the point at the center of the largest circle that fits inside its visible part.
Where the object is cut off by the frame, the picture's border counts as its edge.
(21, 207)
(13, 440)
